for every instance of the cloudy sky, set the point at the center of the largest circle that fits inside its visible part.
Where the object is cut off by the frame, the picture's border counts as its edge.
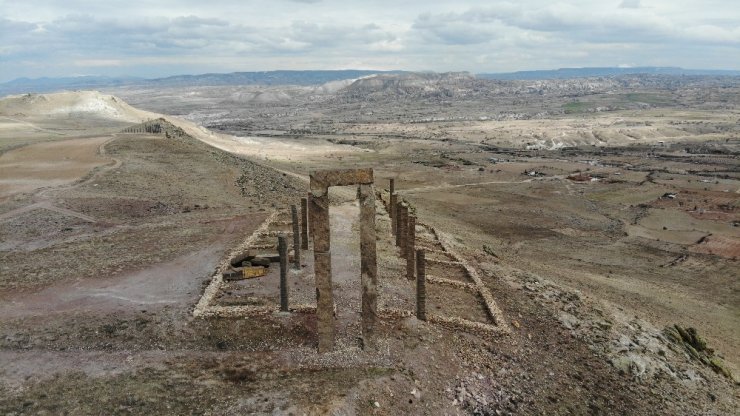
(164, 37)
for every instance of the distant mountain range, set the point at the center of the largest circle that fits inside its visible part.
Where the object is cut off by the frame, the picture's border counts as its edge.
(26, 85)
(305, 78)
(569, 73)
(264, 78)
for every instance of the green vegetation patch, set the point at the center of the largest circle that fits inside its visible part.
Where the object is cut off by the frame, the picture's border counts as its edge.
(576, 107)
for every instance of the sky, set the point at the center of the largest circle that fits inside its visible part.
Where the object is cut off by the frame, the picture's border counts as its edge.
(156, 38)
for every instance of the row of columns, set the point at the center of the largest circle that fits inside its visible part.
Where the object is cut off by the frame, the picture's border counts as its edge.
(316, 205)
(300, 242)
(403, 226)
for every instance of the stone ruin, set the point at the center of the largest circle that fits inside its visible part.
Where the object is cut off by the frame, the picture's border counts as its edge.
(314, 224)
(156, 126)
(321, 181)
(149, 126)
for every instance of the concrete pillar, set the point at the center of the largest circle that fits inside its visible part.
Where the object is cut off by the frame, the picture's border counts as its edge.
(368, 263)
(392, 212)
(304, 223)
(411, 248)
(421, 288)
(319, 223)
(296, 238)
(283, 250)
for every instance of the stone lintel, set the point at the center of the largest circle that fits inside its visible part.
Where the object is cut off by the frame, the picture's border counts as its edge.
(340, 177)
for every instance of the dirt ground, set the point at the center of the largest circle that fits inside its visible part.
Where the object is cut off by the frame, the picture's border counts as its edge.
(99, 276)
(48, 164)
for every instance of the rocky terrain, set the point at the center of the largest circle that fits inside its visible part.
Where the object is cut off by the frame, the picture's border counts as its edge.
(600, 214)
(457, 106)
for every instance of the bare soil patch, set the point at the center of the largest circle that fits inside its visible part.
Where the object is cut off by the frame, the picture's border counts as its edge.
(48, 164)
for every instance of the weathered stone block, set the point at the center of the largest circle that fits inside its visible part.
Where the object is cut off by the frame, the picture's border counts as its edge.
(341, 177)
(261, 261)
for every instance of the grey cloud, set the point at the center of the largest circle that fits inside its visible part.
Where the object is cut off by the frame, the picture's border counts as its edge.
(84, 35)
(630, 4)
(481, 25)
(329, 35)
(451, 30)
(11, 27)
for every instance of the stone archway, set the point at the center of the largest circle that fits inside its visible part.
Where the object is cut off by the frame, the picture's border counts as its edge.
(319, 219)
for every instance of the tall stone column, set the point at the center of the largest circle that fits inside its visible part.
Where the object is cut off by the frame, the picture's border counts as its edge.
(304, 223)
(283, 251)
(296, 238)
(411, 248)
(403, 223)
(399, 208)
(310, 225)
(319, 221)
(421, 287)
(392, 189)
(368, 263)
(393, 212)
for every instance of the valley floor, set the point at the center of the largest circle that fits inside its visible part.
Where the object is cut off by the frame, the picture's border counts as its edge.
(590, 259)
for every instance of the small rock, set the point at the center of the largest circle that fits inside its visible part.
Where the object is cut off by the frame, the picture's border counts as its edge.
(569, 321)
(416, 393)
(376, 404)
(260, 261)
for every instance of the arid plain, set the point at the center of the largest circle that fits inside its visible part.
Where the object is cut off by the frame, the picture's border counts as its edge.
(601, 214)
